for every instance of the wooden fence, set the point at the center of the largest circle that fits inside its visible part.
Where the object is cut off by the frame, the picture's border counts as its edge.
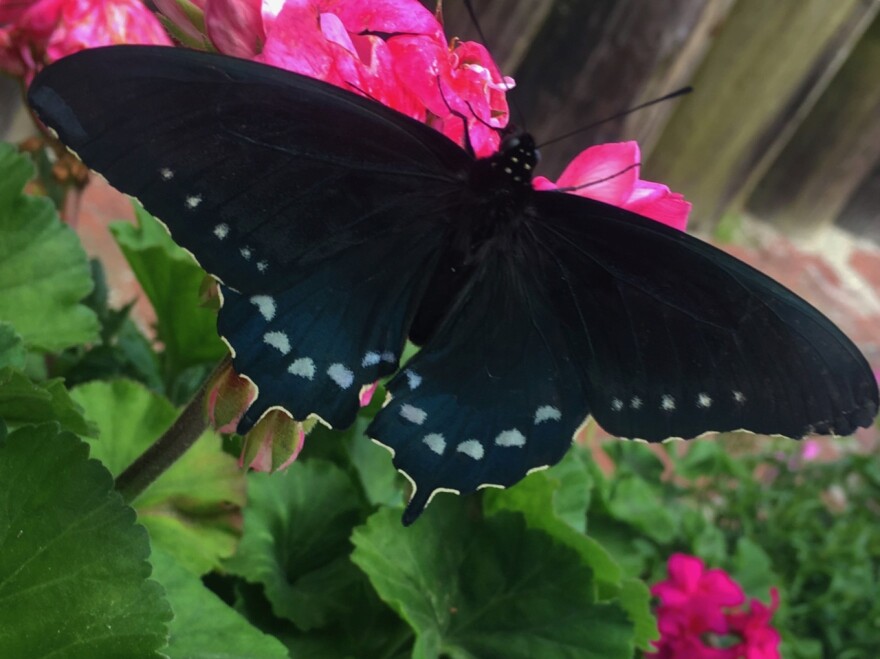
(784, 121)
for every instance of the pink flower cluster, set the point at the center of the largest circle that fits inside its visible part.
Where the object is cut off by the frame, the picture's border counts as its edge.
(392, 51)
(36, 32)
(704, 614)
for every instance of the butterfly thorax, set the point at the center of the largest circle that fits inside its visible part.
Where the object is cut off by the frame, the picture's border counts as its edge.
(508, 172)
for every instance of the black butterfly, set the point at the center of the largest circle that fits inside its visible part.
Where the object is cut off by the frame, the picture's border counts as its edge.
(339, 227)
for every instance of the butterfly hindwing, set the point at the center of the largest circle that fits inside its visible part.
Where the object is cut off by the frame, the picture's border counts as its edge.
(492, 395)
(678, 338)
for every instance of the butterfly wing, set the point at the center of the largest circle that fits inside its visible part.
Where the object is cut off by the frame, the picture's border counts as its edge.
(319, 210)
(677, 338)
(494, 393)
(594, 309)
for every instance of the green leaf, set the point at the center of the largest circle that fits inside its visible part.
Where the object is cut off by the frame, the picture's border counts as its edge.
(23, 402)
(638, 502)
(191, 509)
(535, 497)
(753, 569)
(171, 280)
(12, 353)
(488, 588)
(203, 625)
(44, 272)
(295, 541)
(73, 563)
(635, 598)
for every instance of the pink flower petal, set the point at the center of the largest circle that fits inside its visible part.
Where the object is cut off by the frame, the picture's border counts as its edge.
(606, 170)
(235, 27)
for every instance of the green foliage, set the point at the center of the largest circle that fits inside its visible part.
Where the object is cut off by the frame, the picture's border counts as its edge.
(191, 509)
(44, 273)
(73, 569)
(770, 519)
(488, 588)
(171, 279)
(203, 625)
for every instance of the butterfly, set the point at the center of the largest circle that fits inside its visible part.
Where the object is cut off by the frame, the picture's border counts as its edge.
(337, 228)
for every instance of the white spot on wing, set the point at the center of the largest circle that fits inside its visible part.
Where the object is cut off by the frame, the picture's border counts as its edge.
(266, 306)
(193, 201)
(304, 367)
(547, 413)
(389, 357)
(616, 404)
(277, 340)
(221, 231)
(704, 400)
(262, 266)
(471, 448)
(667, 403)
(635, 403)
(246, 253)
(341, 375)
(166, 174)
(370, 359)
(511, 437)
(413, 414)
(413, 379)
(435, 442)
(739, 397)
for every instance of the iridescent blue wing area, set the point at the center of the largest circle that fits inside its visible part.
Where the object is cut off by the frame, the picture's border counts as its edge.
(677, 338)
(495, 392)
(319, 210)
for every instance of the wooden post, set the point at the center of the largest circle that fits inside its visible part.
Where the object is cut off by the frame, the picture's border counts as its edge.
(509, 26)
(767, 68)
(590, 60)
(833, 151)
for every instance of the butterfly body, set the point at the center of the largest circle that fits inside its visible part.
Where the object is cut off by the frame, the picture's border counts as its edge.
(339, 228)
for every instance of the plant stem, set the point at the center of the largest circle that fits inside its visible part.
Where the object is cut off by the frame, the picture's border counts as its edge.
(153, 462)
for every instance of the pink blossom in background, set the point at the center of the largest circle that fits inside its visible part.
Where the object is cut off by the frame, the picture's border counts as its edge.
(703, 614)
(610, 173)
(694, 597)
(35, 33)
(760, 640)
(811, 450)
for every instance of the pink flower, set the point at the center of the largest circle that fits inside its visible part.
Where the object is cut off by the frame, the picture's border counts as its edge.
(702, 614)
(339, 41)
(610, 173)
(759, 639)
(693, 598)
(811, 450)
(463, 82)
(38, 32)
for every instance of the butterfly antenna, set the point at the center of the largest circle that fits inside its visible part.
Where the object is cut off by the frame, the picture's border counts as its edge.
(575, 188)
(455, 113)
(473, 16)
(667, 97)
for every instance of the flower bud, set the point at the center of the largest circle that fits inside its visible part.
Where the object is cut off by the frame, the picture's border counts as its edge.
(273, 444)
(227, 398)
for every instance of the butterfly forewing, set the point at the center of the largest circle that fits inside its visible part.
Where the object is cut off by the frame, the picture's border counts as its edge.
(678, 338)
(320, 211)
